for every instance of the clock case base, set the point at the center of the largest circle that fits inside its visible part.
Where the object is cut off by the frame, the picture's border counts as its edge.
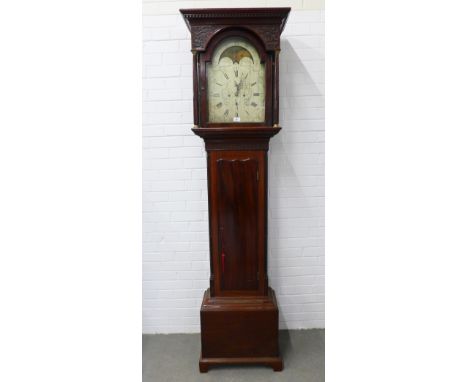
(239, 330)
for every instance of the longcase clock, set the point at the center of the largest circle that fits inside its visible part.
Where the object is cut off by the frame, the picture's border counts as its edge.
(236, 105)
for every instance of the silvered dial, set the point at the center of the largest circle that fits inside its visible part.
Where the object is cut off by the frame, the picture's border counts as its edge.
(236, 83)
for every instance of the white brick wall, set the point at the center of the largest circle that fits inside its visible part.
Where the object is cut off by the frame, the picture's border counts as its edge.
(175, 219)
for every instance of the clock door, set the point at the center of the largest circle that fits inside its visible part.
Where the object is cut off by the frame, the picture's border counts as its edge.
(240, 219)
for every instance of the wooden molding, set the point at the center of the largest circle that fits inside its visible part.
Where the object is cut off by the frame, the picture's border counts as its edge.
(267, 23)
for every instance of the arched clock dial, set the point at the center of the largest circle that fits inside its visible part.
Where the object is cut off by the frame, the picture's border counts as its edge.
(236, 83)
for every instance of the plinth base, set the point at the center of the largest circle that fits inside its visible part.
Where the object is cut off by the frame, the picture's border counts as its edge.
(239, 330)
(274, 362)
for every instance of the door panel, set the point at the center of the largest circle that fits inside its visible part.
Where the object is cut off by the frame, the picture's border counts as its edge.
(238, 219)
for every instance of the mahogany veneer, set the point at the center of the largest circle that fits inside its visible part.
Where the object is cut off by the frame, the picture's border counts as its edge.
(239, 331)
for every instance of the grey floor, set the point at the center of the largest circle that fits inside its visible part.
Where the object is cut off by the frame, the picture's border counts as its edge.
(174, 357)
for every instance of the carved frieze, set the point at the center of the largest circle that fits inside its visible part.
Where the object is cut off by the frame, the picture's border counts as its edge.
(270, 34)
(267, 23)
(202, 34)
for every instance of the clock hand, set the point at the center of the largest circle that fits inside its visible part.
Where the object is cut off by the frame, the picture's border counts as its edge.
(238, 88)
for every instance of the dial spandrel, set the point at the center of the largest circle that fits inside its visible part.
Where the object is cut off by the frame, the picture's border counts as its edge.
(236, 83)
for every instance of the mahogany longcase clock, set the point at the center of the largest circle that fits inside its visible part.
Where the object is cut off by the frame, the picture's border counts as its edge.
(236, 104)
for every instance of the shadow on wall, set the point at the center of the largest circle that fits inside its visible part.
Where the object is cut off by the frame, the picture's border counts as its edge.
(296, 179)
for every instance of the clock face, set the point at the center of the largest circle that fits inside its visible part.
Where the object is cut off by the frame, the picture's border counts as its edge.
(236, 83)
